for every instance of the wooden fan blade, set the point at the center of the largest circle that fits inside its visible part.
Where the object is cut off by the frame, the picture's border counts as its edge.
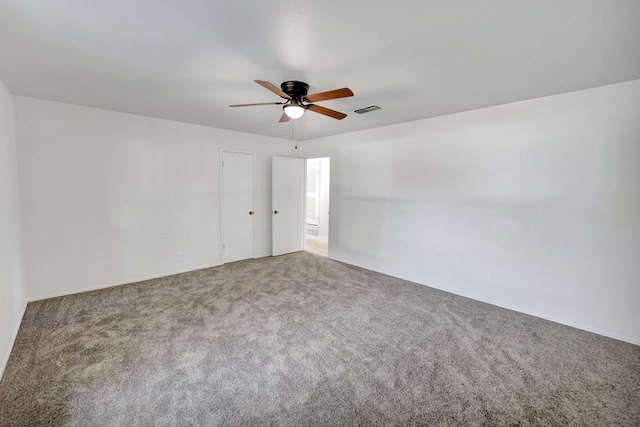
(332, 94)
(273, 88)
(284, 118)
(326, 111)
(259, 103)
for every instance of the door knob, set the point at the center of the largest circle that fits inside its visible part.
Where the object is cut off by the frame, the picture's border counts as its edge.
(275, 212)
(250, 212)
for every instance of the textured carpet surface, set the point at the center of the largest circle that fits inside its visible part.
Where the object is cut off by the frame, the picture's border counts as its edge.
(303, 340)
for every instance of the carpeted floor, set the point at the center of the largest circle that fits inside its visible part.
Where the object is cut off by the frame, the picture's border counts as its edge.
(303, 340)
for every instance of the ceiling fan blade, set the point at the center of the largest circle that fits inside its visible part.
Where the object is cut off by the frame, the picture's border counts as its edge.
(259, 103)
(284, 118)
(332, 94)
(326, 111)
(273, 88)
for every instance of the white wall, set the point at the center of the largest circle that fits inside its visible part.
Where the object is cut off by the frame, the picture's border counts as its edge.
(109, 198)
(12, 282)
(533, 205)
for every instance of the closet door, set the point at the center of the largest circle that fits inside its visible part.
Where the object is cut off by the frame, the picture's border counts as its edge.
(238, 206)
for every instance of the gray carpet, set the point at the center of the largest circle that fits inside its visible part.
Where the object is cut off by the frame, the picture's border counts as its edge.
(303, 340)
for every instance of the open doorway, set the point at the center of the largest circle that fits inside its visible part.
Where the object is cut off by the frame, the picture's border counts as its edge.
(317, 213)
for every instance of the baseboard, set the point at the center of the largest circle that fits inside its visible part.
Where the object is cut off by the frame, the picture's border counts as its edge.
(562, 322)
(13, 340)
(262, 255)
(519, 310)
(126, 282)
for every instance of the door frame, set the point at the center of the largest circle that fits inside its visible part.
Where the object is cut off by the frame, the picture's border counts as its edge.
(255, 209)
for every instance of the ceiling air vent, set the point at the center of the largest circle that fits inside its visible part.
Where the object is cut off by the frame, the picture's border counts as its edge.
(367, 109)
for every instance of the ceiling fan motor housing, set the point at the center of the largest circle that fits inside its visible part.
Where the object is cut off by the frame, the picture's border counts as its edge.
(296, 90)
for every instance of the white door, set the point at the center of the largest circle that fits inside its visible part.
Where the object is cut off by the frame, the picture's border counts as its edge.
(238, 206)
(287, 205)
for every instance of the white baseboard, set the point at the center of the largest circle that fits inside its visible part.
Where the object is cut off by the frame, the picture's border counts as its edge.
(563, 322)
(13, 340)
(262, 256)
(126, 282)
(519, 310)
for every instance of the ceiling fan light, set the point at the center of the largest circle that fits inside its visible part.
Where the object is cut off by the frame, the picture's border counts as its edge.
(294, 111)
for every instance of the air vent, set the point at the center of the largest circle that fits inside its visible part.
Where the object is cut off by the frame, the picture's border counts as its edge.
(367, 109)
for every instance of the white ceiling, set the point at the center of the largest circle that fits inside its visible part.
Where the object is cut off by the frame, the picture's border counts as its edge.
(188, 60)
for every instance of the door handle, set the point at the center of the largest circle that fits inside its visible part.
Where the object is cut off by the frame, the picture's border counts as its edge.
(275, 212)
(250, 212)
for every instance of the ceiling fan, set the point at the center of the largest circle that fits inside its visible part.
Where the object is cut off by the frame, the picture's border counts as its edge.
(297, 101)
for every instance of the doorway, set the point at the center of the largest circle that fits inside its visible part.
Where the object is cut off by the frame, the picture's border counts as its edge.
(317, 206)
(237, 182)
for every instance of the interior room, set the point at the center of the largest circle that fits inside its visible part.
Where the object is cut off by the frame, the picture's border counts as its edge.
(447, 234)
